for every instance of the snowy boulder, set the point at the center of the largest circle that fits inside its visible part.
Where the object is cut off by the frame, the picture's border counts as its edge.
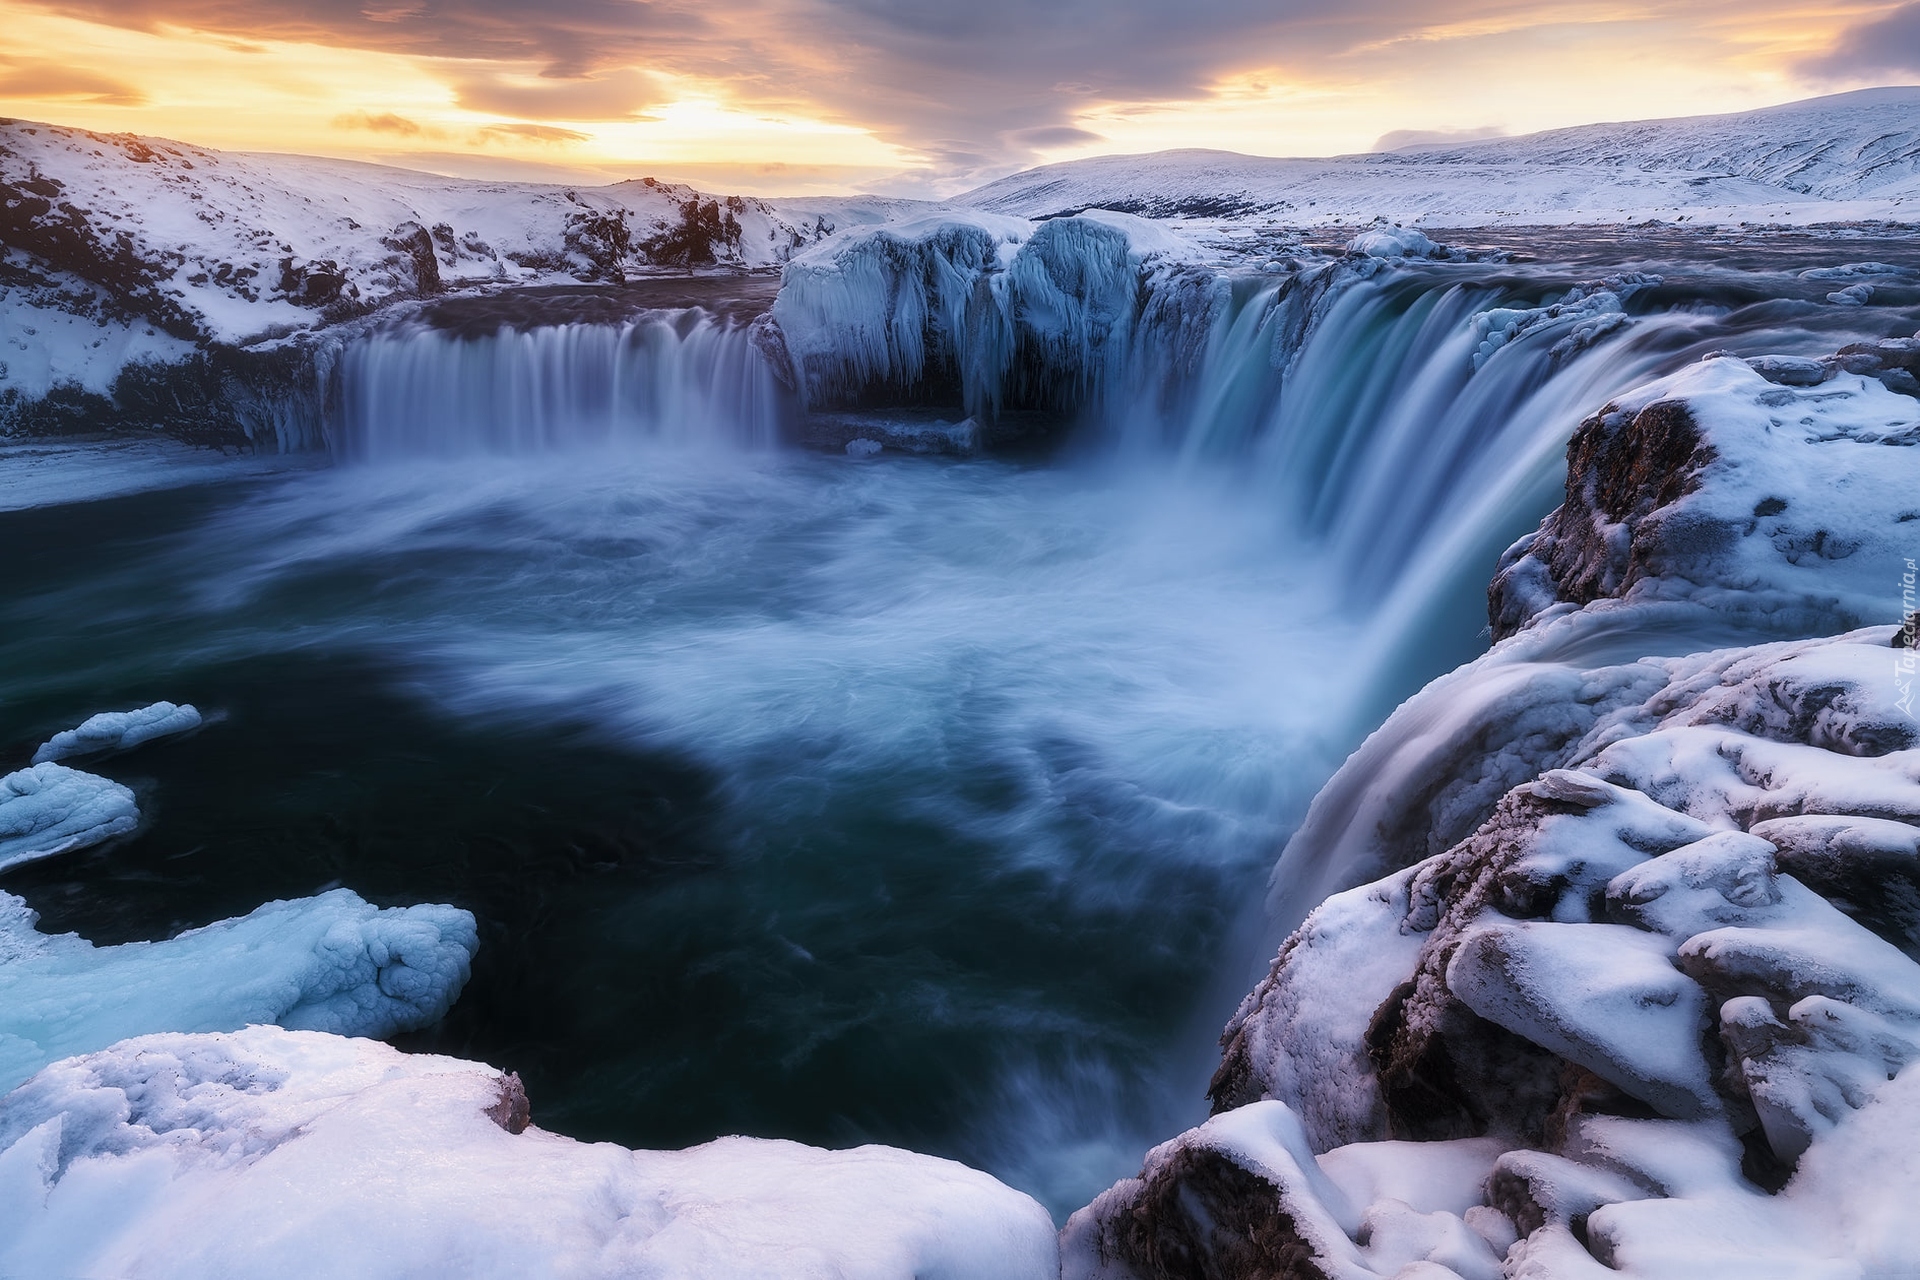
(49, 809)
(1672, 1045)
(1245, 1195)
(330, 963)
(277, 1153)
(119, 731)
(1745, 490)
(1394, 242)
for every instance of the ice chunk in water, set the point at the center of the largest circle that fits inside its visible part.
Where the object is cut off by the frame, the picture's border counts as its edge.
(119, 731)
(49, 808)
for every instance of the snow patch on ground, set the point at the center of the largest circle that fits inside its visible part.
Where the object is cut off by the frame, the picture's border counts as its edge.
(270, 1152)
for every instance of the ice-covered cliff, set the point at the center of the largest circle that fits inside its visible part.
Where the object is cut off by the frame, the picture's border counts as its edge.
(1618, 968)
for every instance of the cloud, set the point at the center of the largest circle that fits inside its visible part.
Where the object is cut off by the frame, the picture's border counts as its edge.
(1886, 44)
(33, 78)
(387, 122)
(1402, 139)
(528, 133)
(615, 95)
(970, 90)
(1056, 135)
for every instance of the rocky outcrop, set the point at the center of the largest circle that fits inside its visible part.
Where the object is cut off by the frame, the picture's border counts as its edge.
(1725, 484)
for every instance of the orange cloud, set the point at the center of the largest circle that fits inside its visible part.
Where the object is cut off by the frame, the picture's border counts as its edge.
(33, 78)
(385, 122)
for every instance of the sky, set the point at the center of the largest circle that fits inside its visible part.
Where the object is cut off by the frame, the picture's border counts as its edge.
(907, 97)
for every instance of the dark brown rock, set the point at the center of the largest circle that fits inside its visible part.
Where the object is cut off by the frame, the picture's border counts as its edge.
(511, 1111)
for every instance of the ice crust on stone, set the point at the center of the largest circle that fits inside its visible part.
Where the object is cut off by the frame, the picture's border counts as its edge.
(119, 731)
(271, 1152)
(970, 301)
(1394, 242)
(48, 809)
(331, 963)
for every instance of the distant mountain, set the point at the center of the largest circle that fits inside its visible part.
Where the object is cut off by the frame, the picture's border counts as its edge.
(1847, 157)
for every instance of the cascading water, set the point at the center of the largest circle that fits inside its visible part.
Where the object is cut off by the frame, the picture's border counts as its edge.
(841, 799)
(680, 379)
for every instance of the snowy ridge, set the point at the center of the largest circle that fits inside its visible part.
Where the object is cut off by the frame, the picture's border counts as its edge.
(1849, 157)
(1850, 146)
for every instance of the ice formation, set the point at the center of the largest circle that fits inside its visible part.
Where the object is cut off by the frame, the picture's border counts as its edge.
(986, 308)
(119, 731)
(1630, 977)
(1394, 242)
(329, 963)
(271, 1152)
(48, 809)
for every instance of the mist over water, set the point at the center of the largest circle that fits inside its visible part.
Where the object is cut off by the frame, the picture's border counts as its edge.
(895, 799)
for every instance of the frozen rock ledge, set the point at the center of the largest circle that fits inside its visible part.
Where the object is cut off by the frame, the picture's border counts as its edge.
(268, 1153)
(329, 963)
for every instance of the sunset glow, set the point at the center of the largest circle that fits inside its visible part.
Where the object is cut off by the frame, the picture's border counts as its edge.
(791, 96)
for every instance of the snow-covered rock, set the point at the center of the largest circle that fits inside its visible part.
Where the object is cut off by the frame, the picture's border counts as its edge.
(1394, 242)
(119, 731)
(329, 963)
(1782, 490)
(271, 1152)
(1667, 1037)
(49, 809)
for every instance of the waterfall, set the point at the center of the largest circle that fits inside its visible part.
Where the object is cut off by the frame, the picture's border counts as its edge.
(677, 378)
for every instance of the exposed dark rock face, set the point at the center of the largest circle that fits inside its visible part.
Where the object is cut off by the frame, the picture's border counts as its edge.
(414, 254)
(511, 1111)
(705, 228)
(1203, 1217)
(1622, 468)
(1662, 504)
(42, 225)
(223, 397)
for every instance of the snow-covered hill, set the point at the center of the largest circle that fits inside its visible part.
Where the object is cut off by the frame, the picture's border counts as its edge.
(203, 244)
(1848, 157)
